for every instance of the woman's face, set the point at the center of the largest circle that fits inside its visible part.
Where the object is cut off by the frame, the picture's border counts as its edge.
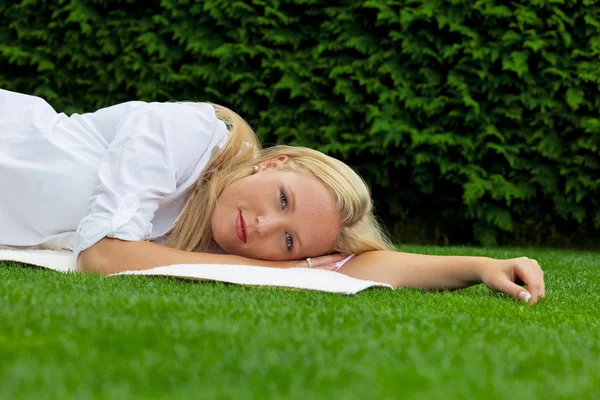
(276, 215)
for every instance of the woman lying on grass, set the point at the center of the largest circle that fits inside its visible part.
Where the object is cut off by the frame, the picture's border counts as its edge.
(141, 185)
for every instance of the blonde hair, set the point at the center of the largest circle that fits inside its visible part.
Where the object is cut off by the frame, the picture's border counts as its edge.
(360, 230)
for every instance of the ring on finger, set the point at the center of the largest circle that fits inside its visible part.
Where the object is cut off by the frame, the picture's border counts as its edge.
(309, 262)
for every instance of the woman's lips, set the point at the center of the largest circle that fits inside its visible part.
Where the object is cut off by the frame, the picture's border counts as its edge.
(240, 227)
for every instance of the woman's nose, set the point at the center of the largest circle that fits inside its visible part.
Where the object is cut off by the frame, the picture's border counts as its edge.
(268, 224)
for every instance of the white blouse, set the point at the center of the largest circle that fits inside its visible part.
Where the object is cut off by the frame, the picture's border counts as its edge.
(120, 172)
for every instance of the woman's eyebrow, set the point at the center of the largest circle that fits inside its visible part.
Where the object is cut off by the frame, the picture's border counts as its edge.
(293, 199)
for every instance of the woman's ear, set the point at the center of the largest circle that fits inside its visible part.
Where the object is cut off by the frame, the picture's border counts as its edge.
(273, 163)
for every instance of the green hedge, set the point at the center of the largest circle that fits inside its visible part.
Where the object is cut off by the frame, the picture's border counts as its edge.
(477, 119)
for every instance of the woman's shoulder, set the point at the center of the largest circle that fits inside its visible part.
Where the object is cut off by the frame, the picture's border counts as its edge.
(182, 114)
(173, 118)
(199, 112)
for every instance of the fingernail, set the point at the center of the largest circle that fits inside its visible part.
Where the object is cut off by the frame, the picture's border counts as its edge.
(524, 296)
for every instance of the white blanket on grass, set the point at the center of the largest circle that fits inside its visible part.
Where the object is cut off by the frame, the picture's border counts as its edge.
(299, 278)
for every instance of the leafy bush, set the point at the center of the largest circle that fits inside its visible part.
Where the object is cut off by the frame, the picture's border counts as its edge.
(477, 118)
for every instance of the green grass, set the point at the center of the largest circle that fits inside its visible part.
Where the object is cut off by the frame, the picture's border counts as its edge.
(77, 336)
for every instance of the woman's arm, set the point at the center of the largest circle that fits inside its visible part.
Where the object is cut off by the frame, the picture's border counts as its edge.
(398, 269)
(110, 256)
(416, 270)
(449, 272)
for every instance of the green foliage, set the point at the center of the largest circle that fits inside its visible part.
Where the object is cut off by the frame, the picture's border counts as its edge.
(474, 116)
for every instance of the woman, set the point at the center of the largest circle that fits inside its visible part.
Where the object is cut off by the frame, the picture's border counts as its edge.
(140, 185)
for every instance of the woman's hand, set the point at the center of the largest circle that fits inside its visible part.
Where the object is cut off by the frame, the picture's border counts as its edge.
(506, 276)
(328, 262)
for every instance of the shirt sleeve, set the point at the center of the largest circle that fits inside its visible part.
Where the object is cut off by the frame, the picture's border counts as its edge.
(154, 148)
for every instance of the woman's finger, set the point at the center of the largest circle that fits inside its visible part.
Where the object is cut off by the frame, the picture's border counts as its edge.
(326, 260)
(542, 283)
(526, 272)
(540, 277)
(505, 285)
(327, 267)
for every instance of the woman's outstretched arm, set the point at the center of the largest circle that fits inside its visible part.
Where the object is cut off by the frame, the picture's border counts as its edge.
(449, 272)
(395, 268)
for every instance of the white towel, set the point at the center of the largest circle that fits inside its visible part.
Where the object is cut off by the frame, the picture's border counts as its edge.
(299, 278)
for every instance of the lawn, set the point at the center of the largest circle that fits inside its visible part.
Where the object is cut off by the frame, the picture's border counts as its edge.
(77, 336)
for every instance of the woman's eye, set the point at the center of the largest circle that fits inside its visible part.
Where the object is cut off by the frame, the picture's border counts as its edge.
(283, 198)
(289, 241)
